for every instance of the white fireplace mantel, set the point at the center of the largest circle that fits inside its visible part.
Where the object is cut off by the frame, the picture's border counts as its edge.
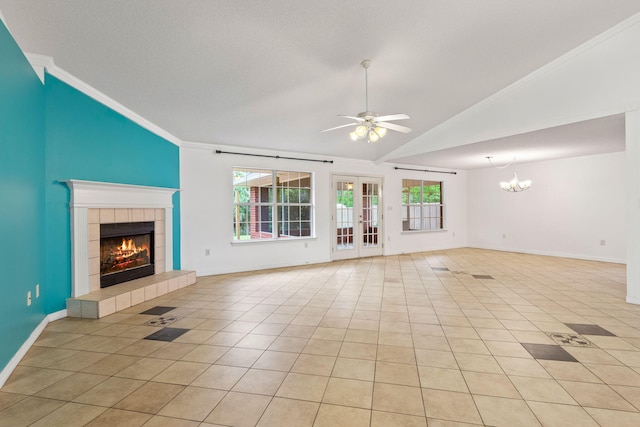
(87, 195)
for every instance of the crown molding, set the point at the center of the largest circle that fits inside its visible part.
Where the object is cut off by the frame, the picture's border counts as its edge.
(37, 67)
(4, 21)
(42, 63)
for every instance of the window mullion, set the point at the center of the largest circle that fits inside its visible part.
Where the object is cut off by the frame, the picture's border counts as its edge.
(422, 205)
(441, 207)
(274, 205)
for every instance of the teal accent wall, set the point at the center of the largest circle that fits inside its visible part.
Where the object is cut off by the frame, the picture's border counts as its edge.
(49, 133)
(87, 140)
(22, 171)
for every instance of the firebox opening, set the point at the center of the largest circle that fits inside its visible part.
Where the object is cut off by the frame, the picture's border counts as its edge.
(126, 252)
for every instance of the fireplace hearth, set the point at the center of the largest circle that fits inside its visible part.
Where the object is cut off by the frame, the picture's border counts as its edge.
(126, 252)
(96, 203)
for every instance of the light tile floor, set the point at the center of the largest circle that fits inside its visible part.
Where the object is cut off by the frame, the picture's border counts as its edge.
(410, 340)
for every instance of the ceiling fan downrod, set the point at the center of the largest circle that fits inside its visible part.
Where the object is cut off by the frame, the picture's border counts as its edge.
(366, 64)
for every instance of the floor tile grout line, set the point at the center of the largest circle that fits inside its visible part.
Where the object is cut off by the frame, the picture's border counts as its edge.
(454, 297)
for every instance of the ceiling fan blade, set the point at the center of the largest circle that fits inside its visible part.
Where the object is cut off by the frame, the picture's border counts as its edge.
(360, 119)
(338, 127)
(394, 126)
(393, 117)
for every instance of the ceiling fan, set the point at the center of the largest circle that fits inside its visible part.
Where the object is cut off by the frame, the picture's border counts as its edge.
(370, 124)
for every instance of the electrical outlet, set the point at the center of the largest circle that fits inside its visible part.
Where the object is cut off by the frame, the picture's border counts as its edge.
(207, 252)
(602, 242)
(306, 245)
(28, 298)
(37, 290)
(453, 234)
(504, 235)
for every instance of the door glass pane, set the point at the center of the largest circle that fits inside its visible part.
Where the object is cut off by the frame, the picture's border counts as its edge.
(344, 215)
(370, 214)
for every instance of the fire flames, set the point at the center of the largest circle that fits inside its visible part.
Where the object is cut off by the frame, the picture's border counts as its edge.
(123, 256)
(126, 250)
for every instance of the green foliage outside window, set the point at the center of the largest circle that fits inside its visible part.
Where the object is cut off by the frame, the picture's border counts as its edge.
(345, 198)
(271, 204)
(423, 207)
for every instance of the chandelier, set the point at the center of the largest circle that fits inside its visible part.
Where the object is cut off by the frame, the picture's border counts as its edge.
(515, 185)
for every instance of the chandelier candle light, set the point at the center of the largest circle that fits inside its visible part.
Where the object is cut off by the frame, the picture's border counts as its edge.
(515, 185)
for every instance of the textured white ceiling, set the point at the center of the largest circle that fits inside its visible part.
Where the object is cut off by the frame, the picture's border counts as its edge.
(272, 74)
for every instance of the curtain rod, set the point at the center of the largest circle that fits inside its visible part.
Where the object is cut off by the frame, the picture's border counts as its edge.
(424, 170)
(273, 157)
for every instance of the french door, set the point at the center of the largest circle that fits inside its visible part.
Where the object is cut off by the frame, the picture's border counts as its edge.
(357, 217)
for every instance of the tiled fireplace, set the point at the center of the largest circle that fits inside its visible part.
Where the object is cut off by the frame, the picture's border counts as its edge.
(96, 204)
(122, 216)
(127, 251)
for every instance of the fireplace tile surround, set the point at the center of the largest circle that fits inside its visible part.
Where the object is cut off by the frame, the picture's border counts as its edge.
(111, 216)
(94, 203)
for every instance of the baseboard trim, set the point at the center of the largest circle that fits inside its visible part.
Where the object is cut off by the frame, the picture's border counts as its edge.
(213, 272)
(633, 300)
(416, 251)
(15, 360)
(57, 315)
(545, 253)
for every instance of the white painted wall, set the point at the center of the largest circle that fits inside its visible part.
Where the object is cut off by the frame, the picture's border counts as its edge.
(598, 79)
(571, 206)
(455, 199)
(207, 212)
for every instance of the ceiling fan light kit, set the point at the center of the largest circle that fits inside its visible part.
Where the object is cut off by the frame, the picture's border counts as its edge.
(374, 133)
(369, 124)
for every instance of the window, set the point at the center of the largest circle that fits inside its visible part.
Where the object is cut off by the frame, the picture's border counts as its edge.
(270, 204)
(422, 205)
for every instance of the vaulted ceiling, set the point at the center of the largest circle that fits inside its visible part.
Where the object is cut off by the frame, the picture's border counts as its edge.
(272, 74)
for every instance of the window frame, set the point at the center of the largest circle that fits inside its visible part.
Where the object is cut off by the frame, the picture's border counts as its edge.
(408, 220)
(270, 198)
